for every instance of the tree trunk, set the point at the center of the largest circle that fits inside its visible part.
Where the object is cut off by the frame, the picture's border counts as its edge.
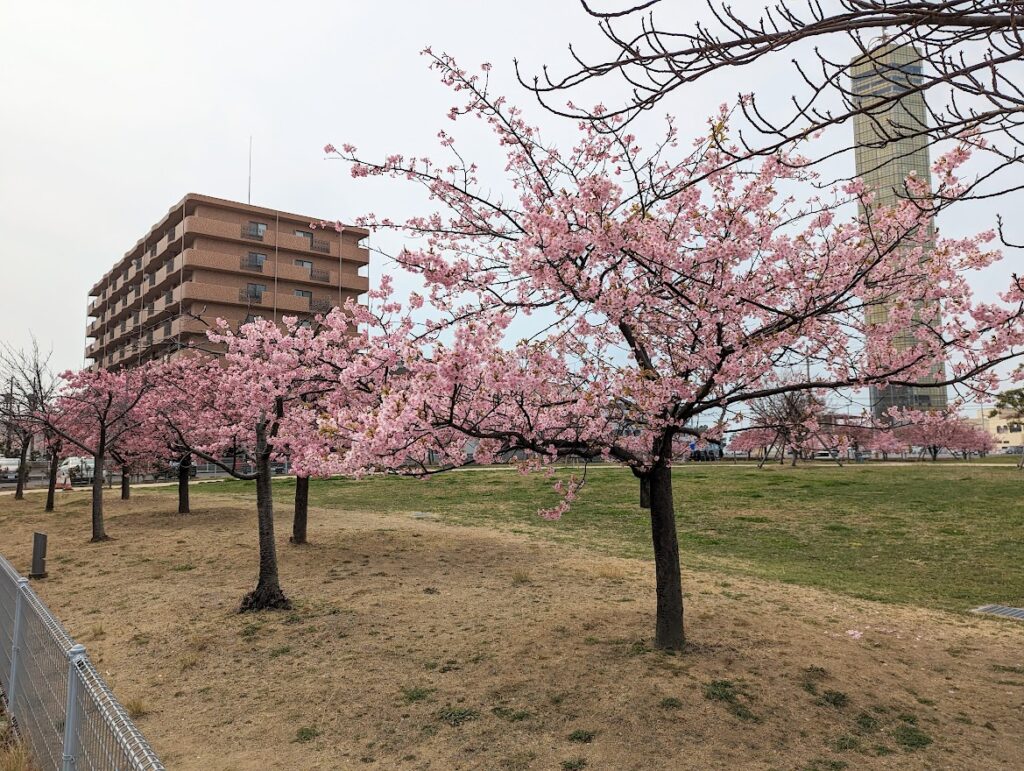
(267, 593)
(184, 471)
(126, 484)
(645, 492)
(51, 488)
(301, 510)
(98, 533)
(668, 633)
(19, 490)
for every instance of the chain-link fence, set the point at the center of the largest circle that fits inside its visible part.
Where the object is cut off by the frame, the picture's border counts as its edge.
(58, 703)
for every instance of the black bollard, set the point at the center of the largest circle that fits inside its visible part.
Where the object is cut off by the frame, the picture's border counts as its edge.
(38, 556)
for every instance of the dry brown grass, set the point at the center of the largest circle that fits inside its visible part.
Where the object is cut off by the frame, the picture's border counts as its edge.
(136, 708)
(407, 648)
(13, 754)
(14, 757)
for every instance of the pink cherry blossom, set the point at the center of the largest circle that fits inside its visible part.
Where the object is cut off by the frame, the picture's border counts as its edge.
(662, 299)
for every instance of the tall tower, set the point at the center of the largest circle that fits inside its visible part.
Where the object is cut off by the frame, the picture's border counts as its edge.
(890, 143)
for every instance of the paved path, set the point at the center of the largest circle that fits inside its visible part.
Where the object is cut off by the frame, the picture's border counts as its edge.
(117, 487)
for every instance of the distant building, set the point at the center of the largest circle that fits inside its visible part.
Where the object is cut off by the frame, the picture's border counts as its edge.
(209, 258)
(1005, 428)
(884, 162)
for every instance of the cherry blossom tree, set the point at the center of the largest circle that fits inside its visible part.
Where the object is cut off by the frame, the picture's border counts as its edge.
(100, 412)
(224, 415)
(883, 440)
(143, 449)
(32, 392)
(794, 418)
(751, 440)
(578, 293)
(257, 406)
(935, 432)
(31, 388)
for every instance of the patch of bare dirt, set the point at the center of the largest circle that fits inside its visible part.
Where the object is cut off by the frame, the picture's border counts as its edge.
(420, 645)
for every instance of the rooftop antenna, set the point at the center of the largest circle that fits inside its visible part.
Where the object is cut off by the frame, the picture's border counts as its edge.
(248, 198)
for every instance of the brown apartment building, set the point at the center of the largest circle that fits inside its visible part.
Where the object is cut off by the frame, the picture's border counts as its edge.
(210, 258)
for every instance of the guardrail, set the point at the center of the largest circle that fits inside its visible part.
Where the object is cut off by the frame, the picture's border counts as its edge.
(57, 701)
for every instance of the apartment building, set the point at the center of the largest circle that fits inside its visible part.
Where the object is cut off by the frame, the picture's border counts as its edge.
(890, 143)
(210, 258)
(1005, 427)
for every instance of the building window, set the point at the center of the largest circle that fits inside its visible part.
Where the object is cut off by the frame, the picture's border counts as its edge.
(304, 293)
(254, 230)
(1015, 428)
(307, 264)
(255, 290)
(251, 318)
(254, 261)
(304, 234)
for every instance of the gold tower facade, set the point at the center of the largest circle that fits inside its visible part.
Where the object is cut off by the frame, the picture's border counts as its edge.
(890, 143)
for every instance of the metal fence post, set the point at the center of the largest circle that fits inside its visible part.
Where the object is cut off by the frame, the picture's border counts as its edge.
(16, 643)
(70, 756)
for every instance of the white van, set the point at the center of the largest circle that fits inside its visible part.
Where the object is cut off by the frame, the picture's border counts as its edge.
(9, 469)
(76, 470)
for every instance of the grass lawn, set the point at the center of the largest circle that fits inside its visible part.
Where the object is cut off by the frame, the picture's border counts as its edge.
(949, 537)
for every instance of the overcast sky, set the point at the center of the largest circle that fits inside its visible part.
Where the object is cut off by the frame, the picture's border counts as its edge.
(111, 111)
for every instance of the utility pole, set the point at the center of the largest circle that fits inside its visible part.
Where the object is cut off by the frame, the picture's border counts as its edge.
(8, 418)
(248, 197)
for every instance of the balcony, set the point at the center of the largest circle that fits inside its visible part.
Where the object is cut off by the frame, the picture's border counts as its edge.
(158, 278)
(159, 306)
(251, 233)
(317, 274)
(252, 298)
(248, 263)
(321, 305)
(356, 254)
(320, 245)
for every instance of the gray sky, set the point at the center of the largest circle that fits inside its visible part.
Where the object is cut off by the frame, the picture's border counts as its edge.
(111, 111)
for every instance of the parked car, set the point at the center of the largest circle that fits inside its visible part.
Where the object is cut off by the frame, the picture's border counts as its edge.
(702, 456)
(9, 469)
(79, 471)
(170, 470)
